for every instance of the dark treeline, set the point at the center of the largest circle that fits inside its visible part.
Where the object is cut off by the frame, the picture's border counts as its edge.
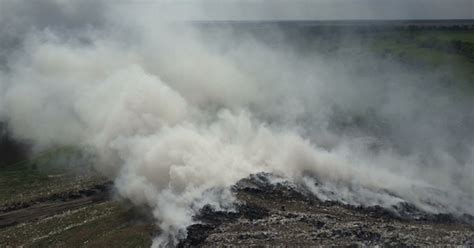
(304, 33)
(349, 25)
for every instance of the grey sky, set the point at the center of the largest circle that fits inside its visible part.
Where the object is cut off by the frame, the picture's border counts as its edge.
(319, 9)
(244, 9)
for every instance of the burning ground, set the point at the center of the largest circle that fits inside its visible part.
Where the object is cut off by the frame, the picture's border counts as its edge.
(79, 208)
(267, 213)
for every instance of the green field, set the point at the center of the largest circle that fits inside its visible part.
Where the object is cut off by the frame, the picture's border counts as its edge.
(44, 175)
(429, 49)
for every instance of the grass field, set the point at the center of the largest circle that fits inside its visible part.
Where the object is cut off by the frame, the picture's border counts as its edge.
(44, 175)
(428, 49)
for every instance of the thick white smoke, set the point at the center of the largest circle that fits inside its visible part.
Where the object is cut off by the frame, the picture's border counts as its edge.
(176, 115)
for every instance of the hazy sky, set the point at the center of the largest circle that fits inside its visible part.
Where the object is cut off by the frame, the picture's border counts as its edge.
(320, 9)
(254, 9)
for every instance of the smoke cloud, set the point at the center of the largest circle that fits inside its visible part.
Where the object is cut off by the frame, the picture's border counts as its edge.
(177, 114)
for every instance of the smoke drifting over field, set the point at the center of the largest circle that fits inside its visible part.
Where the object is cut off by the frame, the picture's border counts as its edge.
(177, 114)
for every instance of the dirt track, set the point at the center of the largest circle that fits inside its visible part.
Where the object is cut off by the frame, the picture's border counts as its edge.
(41, 208)
(45, 209)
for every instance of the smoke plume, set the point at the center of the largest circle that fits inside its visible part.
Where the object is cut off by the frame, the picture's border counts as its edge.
(177, 113)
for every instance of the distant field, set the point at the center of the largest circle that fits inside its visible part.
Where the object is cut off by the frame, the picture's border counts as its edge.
(429, 47)
(420, 43)
(44, 175)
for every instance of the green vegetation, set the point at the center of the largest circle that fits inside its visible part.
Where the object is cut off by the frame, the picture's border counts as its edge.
(451, 50)
(45, 175)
